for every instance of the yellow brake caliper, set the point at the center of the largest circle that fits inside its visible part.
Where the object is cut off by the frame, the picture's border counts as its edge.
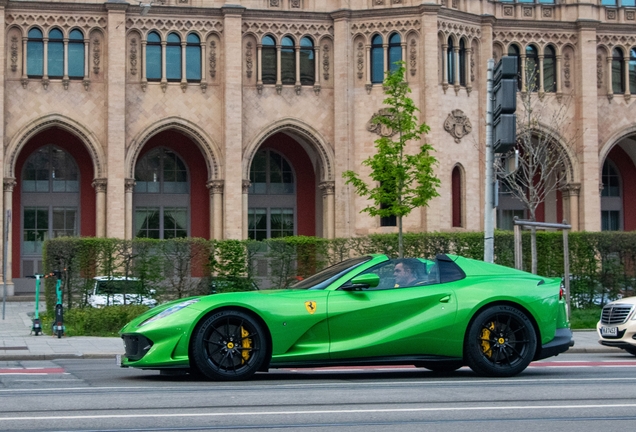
(485, 339)
(247, 344)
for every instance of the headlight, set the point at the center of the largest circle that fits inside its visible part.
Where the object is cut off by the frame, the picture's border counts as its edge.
(169, 311)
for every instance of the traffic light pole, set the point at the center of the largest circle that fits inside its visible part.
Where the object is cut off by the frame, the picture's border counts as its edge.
(489, 219)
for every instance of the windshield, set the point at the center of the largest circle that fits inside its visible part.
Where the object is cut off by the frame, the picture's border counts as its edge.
(322, 279)
(118, 287)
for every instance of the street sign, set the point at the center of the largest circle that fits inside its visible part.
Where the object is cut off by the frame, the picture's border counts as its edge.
(505, 104)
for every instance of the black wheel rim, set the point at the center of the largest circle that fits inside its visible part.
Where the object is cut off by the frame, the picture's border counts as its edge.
(504, 340)
(231, 344)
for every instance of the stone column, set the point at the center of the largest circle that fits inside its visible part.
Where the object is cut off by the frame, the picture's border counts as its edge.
(216, 209)
(116, 119)
(469, 57)
(8, 184)
(232, 79)
(245, 195)
(344, 138)
(610, 85)
(445, 67)
(328, 213)
(99, 184)
(129, 187)
(572, 192)
(586, 99)
(541, 88)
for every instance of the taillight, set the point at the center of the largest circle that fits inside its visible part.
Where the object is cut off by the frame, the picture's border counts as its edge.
(561, 291)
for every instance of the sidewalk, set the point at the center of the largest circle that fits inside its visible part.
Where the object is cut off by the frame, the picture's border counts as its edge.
(16, 342)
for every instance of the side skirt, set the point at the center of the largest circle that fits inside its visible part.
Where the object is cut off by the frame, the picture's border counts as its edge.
(416, 360)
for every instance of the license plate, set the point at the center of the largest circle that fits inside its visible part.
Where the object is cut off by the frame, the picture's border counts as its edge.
(609, 331)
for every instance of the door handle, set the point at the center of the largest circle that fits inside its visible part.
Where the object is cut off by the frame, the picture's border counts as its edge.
(445, 299)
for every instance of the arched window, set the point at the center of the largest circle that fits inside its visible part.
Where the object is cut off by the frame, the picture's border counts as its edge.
(549, 70)
(618, 81)
(611, 201)
(395, 51)
(307, 62)
(462, 62)
(76, 54)
(268, 61)
(173, 57)
(193, 58)
(457, 196)
(50, 200)
(35, 54)
(450, 56)
(632, 70)
(55, 52)
(153, 57)
(287, 61)
(377, 60)
(272, 196)
(513, 51)
(161, 195)
(532, 68)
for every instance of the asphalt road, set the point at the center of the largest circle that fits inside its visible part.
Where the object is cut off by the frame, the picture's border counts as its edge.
(572, 392)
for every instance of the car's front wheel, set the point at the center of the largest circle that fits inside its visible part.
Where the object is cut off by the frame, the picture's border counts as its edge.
(228, 345)
(500, 342)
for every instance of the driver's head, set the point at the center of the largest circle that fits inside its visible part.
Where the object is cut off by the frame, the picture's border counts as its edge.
(405, 272)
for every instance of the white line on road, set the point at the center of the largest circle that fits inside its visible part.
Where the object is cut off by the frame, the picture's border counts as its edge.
(309, 412)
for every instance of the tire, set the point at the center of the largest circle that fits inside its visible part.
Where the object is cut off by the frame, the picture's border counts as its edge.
(500, 342)
(631, 350)
(228, 346)
(442, 367)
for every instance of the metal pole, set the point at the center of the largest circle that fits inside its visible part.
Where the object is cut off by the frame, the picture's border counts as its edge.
(566, 268)
(4, 261)
(489, 228)
(518, 247)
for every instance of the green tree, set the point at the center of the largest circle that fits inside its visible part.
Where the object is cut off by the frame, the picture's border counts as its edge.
(401, 181)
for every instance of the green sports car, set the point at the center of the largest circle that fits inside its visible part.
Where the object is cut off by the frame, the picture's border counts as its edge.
(440, 314)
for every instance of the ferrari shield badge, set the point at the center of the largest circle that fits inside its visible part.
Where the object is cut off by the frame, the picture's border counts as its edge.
(311, 306)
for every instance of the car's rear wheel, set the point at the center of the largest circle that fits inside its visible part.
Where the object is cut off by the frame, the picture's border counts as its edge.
(500, 342)
(228, 345)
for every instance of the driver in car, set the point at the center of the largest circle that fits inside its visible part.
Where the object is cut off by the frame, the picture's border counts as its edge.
(406, 273)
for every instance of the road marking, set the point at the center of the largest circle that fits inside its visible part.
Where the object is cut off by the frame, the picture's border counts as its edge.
(309, 412)
(32, 371)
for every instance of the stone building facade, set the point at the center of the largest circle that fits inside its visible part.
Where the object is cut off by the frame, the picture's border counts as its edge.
(235, 120)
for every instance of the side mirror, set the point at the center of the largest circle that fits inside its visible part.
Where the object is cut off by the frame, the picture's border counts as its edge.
(369, 280)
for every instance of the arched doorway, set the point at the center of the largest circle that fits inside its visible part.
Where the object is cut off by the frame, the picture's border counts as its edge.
(282, 194)
(618, 177)
(170, 198)
(53, 197)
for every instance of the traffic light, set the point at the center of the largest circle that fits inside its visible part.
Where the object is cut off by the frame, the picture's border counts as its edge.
(505, 104)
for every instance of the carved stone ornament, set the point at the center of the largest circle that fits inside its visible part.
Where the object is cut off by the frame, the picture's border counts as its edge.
(8, 183)
(566, 70)
(213, 59)
(547, 12)
(458, 125)
(97, 50)
(274, 3)
(215, 186)
(527, 12)
(249, 61)
(133, 56)
(360, 60)
(630, 15)
(379, 128)
(327, 187)
(611, 14)
(599, 71)
(508, 11)
(100, 184)
(14, 53)
(455, 4)
(413, 57)
(294, 3)
(325, 62)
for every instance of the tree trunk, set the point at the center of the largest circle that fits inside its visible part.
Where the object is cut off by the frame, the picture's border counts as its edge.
(533, 248)
(400, 242)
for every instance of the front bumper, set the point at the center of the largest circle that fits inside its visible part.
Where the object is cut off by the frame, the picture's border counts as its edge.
(562, 341)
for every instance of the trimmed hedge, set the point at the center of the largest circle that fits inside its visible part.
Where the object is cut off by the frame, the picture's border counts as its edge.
(602, 264)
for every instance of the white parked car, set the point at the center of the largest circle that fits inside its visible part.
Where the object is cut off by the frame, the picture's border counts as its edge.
(108, 291)
(617, 327)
